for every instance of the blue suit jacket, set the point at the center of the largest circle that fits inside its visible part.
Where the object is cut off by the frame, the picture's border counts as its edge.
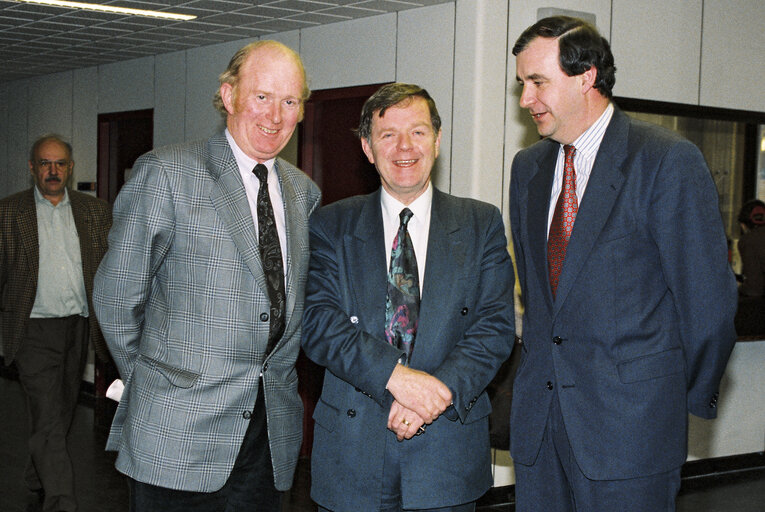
(642, 326)
(465, 332)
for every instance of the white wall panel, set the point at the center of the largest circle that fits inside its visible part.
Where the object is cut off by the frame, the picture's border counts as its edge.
(480, 97)
(733, 55)
(204, 66)
(350, 53)
(657, 47)
(170, 99)
(17, 175)
(50, 106)
(85, 124)
(127, 85)
(425, 56)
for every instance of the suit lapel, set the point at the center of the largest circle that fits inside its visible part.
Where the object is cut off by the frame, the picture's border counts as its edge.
(446, 252)
(366, 253)
(81, 223)
(295, 246)
(540, 188)
(230, 201)
(603, 188)
(27, 223)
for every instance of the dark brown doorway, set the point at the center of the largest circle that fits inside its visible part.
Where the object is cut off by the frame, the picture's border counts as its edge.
(329, 151)
(122, 138)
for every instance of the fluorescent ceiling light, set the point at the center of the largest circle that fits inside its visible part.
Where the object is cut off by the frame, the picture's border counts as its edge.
(111, 9)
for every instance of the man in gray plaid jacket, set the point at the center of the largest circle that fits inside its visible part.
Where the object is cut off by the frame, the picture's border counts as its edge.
(210, 418)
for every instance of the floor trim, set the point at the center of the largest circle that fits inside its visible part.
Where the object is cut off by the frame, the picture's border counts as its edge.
(696, 474)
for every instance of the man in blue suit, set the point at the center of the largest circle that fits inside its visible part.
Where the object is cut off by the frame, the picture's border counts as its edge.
(629, 299)
(402, 424)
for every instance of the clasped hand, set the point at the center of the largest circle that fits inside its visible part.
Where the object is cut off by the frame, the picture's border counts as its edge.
(419, 399)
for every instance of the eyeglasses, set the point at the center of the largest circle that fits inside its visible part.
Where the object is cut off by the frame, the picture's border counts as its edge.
(46, 164)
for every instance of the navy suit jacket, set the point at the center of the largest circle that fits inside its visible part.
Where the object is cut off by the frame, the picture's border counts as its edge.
(642, 326)
(465, 332)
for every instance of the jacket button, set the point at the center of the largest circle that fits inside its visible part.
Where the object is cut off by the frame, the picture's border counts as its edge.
(246, 415)
(265, 368)
(557, 340)
(351, 413)
(464, 311)
(549, 385)
(264, 317)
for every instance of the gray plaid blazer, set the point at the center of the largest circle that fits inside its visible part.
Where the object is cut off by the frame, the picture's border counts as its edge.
(182, 301)
(20, 260)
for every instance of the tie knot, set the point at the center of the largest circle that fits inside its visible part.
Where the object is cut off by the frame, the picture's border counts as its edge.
(405, 215)
(569, 151)
(261, 171)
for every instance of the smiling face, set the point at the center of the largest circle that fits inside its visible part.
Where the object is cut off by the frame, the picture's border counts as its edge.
(265, 105)
(554, 99)
(403, 147)
(51, 169)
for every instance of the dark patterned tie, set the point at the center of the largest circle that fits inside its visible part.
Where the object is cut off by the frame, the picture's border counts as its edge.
(563, 220)
(271, 258)
(402, 306)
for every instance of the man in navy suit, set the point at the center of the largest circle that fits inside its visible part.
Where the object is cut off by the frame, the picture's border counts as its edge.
(399, 429)
(628, 319)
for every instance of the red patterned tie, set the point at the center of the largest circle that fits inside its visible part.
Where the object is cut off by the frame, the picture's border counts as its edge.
(563, 220)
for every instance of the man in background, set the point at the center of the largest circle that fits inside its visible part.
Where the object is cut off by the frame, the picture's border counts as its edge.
(51, 241)
(201, 297)
(629, 299)
(409, 307)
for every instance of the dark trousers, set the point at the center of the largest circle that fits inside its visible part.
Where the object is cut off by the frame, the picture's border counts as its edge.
(249, 488)
(50, 361)
(390, 501)
(556, 484)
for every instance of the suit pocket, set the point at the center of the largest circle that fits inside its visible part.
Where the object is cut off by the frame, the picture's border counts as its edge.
(651, 366)
(178, 377)
(326, 415)
(617, 229)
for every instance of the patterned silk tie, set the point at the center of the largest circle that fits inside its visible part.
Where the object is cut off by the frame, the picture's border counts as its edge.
(271, 258)
(402, 305)
(563, 220)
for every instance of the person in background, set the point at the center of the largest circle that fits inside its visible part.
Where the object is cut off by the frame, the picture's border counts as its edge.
(201, 298)
(629, 299)
(409, 307)
(751, 248)
(51, 241)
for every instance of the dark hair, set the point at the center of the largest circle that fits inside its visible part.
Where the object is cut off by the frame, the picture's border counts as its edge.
(390, 95)
(580, 45)
(47, 138)
(752, 214)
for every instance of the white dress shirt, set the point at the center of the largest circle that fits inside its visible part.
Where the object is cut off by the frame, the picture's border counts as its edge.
(418, 226)
(60, 282)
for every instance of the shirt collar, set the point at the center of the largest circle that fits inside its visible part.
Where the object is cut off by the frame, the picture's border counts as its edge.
(420, 207)
(40, 199)
(245, 163)
(588, 143)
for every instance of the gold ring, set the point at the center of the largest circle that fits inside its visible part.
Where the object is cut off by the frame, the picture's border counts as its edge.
(405, 422)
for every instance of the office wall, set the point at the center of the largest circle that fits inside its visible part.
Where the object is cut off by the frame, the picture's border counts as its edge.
(699, 52)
